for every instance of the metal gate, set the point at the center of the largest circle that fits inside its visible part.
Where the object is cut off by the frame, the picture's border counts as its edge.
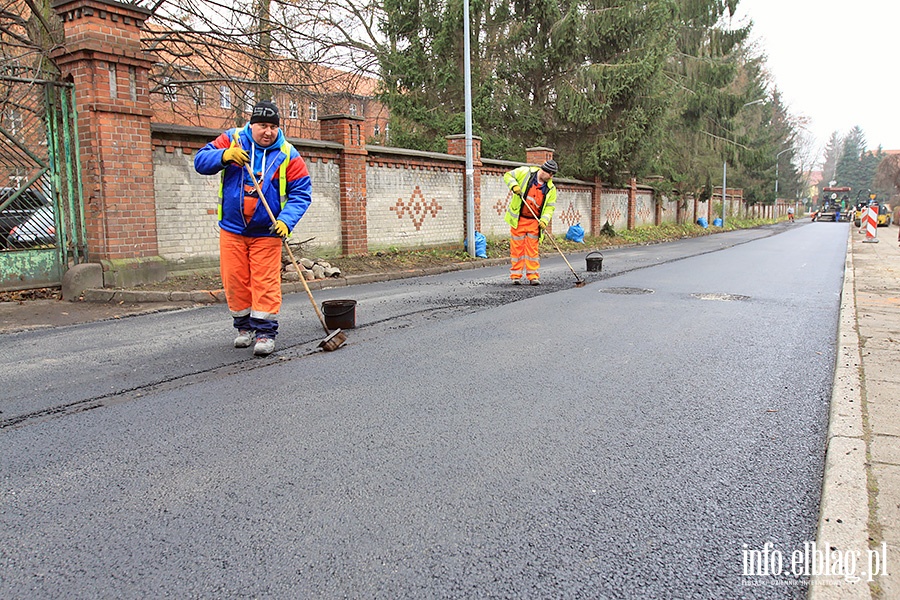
(42, 229)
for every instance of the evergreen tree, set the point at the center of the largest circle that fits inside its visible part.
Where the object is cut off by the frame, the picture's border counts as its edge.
(585, 77)
(713, 81)
(850, 169)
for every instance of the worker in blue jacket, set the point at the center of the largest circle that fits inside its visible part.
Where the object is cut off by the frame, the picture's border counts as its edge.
(249, 243)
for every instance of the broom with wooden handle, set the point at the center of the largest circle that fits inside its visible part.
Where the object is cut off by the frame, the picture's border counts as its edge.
(579, 282)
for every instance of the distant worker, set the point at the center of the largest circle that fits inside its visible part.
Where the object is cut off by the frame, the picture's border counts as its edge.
(791, 214)
(249, 243)
(529, 213)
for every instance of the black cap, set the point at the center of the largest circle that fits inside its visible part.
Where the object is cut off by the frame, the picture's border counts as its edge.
(265, 111)
(550, 166)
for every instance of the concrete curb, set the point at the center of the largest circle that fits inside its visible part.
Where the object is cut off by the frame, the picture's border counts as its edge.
(844, 509)
(290, 287)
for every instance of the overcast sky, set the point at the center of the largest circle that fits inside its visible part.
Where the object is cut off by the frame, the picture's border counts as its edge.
(834, 62)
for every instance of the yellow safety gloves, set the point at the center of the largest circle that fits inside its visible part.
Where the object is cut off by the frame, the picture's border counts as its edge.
(236, 155)
(279, 228)
(517, 190)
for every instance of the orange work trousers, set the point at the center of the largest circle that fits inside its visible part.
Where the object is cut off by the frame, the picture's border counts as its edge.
(251, 275)
(523, 249)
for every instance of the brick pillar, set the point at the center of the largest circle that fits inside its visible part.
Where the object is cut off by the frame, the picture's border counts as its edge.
(102, 55)
(596, 196)
(632, 202)
(456, 145)
(348, 131)
(538, 155)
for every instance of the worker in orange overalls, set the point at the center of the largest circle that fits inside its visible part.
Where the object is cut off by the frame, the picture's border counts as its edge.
(530, 210)
(249, 243)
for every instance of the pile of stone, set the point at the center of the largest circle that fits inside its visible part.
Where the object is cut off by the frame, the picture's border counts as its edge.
(311, 269)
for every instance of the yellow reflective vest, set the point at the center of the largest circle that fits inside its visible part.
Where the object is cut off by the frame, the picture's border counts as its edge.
(521, 176)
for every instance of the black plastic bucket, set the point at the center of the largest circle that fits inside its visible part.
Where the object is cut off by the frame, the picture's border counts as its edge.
(594, 263)
(339, 314)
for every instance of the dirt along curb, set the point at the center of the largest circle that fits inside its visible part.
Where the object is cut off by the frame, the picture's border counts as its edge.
(290, 287)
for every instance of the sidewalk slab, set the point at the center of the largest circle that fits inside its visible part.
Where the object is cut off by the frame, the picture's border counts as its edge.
(877, 296)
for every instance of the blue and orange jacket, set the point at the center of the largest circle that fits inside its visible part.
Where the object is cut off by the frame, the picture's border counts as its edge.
(285, 182)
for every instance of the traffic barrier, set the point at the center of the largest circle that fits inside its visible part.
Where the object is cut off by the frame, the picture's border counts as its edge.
(871, 225)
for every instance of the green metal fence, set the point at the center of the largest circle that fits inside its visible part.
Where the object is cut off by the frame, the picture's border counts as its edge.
(42, 230)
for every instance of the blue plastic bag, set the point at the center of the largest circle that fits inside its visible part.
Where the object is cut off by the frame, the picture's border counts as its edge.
(717, 222)
(480, 245)
(702, 222)
(576, 233)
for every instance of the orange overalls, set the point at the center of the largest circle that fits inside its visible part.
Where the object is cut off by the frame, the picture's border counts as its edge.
(524, 253)
(251, 274)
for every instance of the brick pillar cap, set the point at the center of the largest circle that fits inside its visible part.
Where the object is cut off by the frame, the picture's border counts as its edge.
(461, 136)
(59, 5)
(540, 149)
(342, 116)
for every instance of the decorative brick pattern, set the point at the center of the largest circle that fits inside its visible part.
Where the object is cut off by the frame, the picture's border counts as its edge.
(614, 208)
(573, 205)
(393, 225)
(496, 196)
(417, 207)
(570, 216)
(645, 209)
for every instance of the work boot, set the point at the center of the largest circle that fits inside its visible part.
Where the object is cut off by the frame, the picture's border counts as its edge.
(264, 346)
(517, 281)
(535, 282)
(244, 338)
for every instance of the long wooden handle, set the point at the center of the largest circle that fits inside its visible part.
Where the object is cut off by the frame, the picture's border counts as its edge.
(552, 241)
(286, 245)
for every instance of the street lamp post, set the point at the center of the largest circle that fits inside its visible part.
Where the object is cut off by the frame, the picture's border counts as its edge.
(775, 205)
(470, 159)
(725, 162)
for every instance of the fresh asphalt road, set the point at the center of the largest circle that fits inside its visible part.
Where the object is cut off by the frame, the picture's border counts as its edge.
(628, 439)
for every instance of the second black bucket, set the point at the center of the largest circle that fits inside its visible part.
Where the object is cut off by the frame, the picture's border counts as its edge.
(339, 314)
(594, 263)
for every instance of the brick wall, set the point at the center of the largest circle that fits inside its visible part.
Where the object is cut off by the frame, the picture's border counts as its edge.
(413, 202)
(614, 208)
(412, 199)
(644, 209)
(573, 205)
(495, 197)
(669, 212)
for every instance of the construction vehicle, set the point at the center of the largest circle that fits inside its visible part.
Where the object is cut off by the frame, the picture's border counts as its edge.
(884, 212)
(835, 204)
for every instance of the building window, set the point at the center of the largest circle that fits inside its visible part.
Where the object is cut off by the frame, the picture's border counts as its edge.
(14, 122)
(199, 96)
(224, 97)
(313, 112)
(292, 110)
(353, 110)
(113, 81)
(170, 91)
(132, 83)
(377, 130)
(250, 101)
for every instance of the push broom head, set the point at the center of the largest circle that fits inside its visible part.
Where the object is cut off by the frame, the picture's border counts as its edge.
(333, 341)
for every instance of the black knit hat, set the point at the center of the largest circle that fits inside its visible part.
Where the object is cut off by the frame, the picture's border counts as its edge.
(265, 112)
(550, 166)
